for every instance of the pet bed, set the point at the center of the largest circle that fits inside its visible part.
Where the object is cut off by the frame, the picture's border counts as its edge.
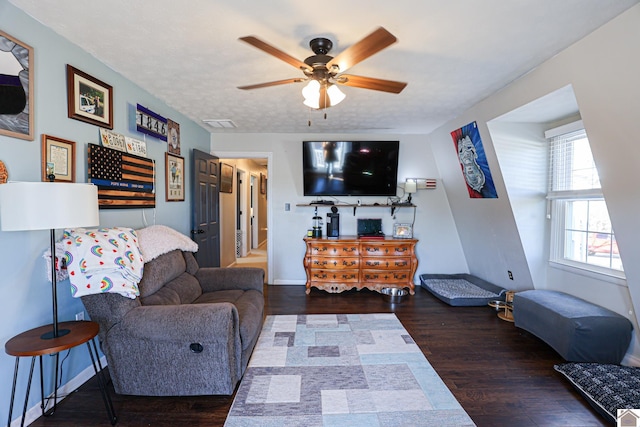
(607, 387)
(462, 289)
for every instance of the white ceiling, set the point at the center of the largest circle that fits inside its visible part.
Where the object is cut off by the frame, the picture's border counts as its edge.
(452, 53)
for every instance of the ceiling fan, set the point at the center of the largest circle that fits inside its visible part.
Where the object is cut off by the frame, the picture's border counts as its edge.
(323, 72)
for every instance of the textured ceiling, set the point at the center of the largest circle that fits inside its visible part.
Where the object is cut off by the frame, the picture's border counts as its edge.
(452, 53)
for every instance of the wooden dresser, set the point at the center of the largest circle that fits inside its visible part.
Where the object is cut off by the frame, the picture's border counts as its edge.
(337, 265)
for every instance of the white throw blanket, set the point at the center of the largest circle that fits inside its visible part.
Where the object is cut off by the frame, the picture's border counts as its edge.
(158, 240)
(103, 260)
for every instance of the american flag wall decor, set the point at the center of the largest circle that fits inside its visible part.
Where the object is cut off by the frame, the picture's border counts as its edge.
(124, 181)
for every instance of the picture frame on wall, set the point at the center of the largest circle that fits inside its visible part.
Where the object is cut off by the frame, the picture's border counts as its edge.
(263, 184)
(173, 137)
(226, 178)
(174, 178)
(58, 159)
(16, 108)
(88, 99)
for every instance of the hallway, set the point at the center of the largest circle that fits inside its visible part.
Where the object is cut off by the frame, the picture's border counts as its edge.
(255, 258)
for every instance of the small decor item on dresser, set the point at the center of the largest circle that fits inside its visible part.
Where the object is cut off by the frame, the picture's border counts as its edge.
(402, 231)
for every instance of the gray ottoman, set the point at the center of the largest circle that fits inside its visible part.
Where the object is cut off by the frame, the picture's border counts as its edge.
(577, 329)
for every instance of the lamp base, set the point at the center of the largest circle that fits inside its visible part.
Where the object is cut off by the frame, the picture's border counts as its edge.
(50, 335)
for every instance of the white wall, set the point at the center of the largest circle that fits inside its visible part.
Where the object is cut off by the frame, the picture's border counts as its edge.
(603, 69)
(439, 249)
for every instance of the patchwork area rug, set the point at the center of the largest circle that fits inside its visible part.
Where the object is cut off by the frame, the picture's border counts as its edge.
(341, 370)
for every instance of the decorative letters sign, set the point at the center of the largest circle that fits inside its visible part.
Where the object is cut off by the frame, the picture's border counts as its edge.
(151, 123)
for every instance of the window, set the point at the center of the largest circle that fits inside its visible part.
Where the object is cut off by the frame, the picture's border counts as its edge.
(581, 230)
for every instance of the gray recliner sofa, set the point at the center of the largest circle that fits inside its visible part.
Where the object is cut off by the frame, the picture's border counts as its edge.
(190, 332)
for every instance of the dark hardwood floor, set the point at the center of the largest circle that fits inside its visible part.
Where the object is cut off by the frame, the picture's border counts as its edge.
(501, 375)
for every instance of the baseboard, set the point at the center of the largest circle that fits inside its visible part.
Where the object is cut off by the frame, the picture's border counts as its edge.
(289, 282)
(35, 412)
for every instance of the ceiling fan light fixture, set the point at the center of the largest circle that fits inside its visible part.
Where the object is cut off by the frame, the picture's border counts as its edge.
(311, 93)
(335, 95)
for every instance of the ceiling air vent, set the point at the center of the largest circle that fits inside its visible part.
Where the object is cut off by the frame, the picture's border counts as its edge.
(220, 123)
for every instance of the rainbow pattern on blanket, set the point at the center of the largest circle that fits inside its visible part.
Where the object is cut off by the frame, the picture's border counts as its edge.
(103, 260)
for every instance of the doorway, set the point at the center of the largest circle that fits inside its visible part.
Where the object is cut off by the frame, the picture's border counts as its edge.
(247, 214)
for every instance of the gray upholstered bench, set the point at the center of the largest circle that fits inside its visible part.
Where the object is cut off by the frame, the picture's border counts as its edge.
(577, 329)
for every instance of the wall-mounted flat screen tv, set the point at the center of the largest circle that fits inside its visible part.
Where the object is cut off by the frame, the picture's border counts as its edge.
(350, 168)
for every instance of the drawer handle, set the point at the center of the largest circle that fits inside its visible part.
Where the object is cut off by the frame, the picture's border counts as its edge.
(348, 264)
(373, 250)
(401, 263)
(402, 249)
(348, 249)
(373, 263)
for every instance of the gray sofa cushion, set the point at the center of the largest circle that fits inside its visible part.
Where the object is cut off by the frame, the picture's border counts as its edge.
(577, 329)
(249, 306)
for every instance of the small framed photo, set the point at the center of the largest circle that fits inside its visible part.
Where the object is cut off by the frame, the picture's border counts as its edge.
(173, 137)
(226, 178)
(263, 184)
(89, 99)
(17, 71)
(402, 231)
(174, 178)
(58, 159)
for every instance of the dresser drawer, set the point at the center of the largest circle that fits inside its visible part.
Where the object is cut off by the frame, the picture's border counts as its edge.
(379, 276)
(334, 262)
(334, 275)
(386, 263)
(335, 249)
(387, 249)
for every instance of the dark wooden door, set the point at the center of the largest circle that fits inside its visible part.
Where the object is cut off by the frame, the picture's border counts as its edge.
(206, 213)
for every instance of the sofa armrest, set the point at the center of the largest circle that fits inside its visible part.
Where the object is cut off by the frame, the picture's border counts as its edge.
(217, 279)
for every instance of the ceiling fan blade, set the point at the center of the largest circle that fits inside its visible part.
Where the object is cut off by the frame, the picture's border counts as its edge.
(370, 83)
(371, 44)
(266, 47)
(275, 83)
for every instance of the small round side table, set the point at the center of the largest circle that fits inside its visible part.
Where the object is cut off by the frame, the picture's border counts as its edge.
(37, 342)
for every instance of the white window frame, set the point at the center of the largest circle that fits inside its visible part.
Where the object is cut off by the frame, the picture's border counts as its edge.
(557, 214)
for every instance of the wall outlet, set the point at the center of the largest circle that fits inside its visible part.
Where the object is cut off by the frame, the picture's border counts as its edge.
(510, 275)
(80, 315)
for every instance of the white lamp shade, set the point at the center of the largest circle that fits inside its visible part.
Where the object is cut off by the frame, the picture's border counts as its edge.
(47, 205)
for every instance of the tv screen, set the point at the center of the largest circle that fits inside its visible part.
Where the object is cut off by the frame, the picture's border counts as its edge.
(350, 168)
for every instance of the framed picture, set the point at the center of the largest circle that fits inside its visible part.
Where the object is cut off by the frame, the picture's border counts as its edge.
(89, 99)
(402, 231)
(263, 184)
(226, 178)
(16, 108)
(173, 137)
(58, 159)
(174, 178)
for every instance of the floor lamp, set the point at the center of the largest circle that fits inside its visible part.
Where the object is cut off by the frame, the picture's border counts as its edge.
(48, 206)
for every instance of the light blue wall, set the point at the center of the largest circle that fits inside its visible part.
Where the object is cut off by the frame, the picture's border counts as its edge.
(25, 300)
